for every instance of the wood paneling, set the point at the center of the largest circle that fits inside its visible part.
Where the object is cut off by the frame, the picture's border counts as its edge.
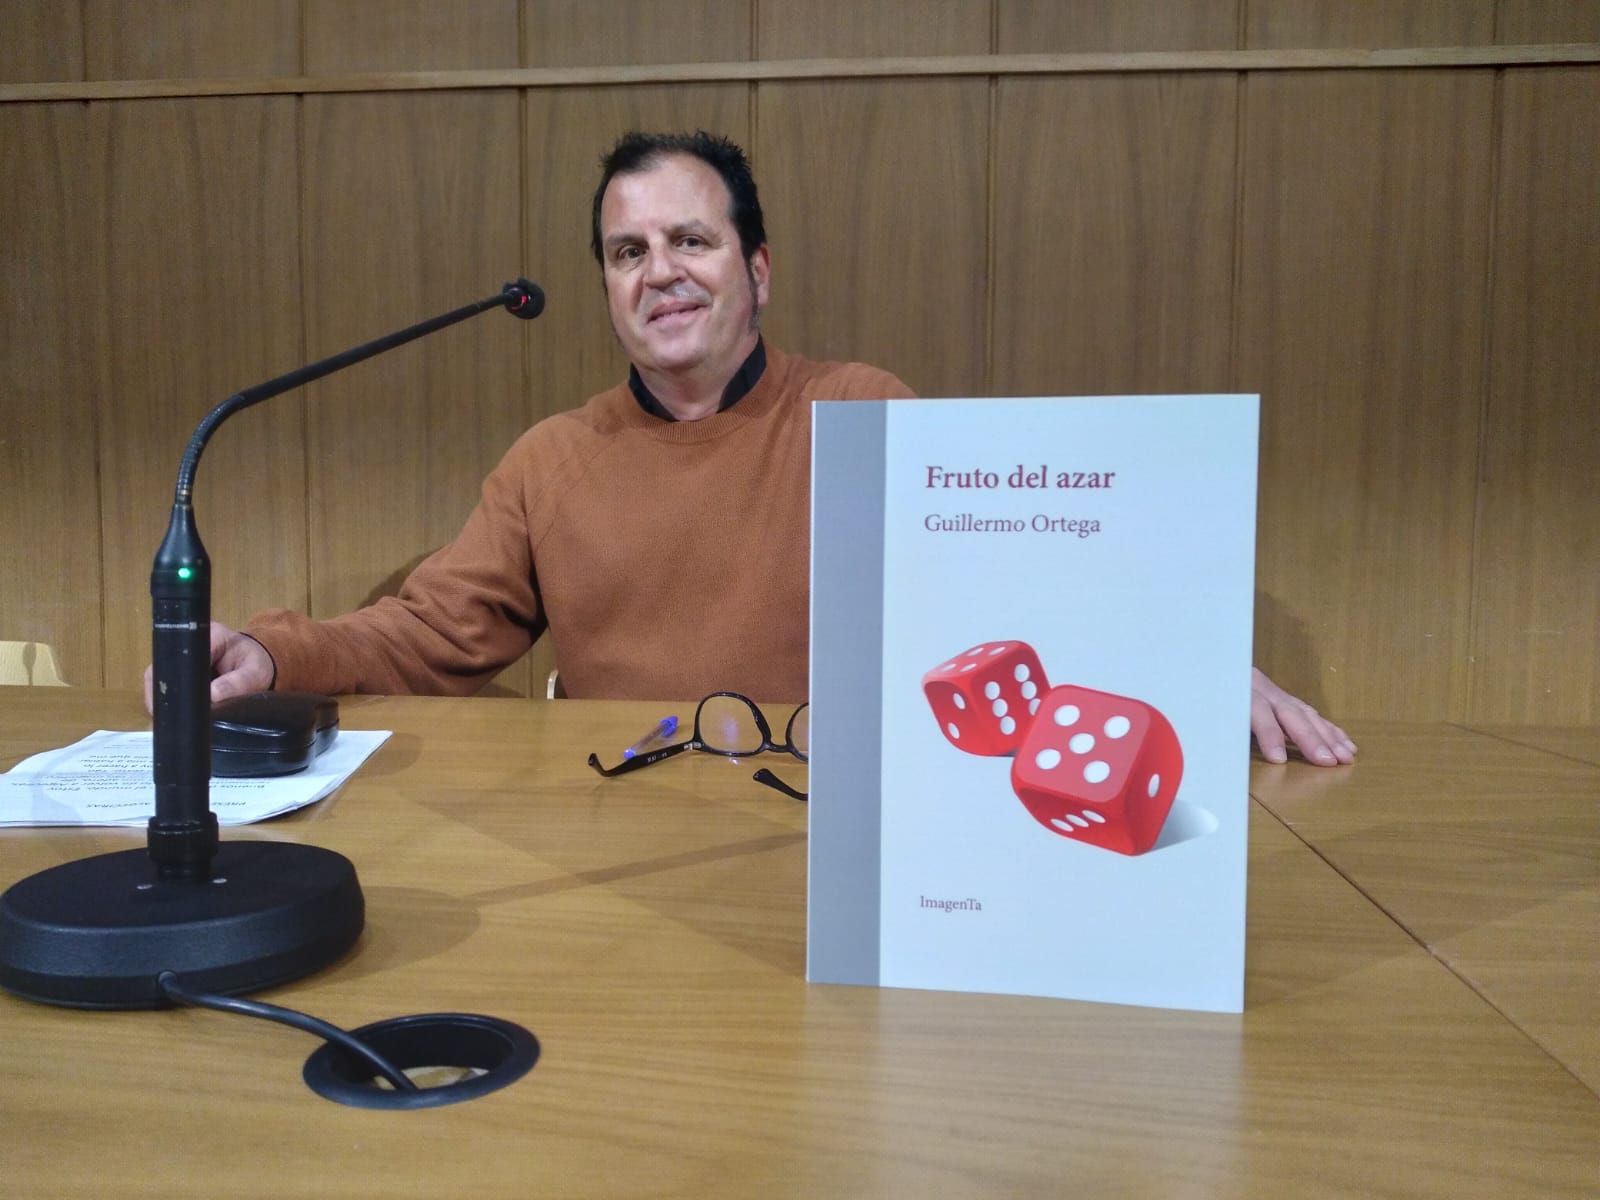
(850, 29)
(1116, 26)
(413, 208)
(876, 204)
(200, 262)
(1325, 24)
(43, 42)
(1536, 22)
(1536, 643)
(1361, 322)
(409, 35)
(620, 33)
(1113, 235)
(50, 534)
(179, 39)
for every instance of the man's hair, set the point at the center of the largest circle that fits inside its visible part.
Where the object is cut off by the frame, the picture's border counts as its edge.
(640, 151)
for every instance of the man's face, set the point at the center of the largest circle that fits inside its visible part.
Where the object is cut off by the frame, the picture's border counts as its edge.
(683, 299)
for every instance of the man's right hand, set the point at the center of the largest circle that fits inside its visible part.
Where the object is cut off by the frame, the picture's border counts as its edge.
(239, 665)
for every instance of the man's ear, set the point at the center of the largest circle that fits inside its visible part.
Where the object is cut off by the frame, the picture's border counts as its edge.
(760, 267)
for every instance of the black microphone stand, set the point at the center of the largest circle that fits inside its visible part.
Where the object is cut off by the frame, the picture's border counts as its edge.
(226, 917)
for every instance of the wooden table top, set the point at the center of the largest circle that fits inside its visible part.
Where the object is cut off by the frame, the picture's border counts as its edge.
(651, 931)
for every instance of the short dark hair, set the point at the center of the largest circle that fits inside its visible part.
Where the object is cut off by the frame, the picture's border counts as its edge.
(637, 151)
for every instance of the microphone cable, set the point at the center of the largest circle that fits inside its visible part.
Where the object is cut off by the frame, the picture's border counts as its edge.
(170, 986)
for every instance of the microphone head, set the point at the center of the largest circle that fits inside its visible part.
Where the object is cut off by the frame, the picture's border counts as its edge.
(523, 299)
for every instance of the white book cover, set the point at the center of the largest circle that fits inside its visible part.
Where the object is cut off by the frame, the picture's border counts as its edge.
(1030, 686)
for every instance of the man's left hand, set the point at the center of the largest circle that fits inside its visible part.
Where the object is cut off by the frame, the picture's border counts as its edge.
(1278, 720)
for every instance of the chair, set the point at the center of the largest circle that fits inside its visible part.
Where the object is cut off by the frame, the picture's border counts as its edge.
(29, 663)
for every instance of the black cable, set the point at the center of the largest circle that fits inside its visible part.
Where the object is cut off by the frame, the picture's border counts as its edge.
(168, 982)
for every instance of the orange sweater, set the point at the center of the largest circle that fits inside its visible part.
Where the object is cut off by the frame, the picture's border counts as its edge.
(667, 559)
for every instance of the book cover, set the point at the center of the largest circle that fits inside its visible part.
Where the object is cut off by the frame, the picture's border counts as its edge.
(1030, 685)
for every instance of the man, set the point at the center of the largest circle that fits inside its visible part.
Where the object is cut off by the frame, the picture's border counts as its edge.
(711, 436)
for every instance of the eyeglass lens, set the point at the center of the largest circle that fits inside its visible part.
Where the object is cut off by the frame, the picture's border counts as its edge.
(731, 725)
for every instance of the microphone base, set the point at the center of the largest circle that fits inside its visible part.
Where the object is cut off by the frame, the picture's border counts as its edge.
(95, 933)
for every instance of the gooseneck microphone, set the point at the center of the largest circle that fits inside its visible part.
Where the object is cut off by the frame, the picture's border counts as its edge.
(226, 917)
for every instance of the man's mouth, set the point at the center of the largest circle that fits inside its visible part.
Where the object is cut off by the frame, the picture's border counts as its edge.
(673, 308)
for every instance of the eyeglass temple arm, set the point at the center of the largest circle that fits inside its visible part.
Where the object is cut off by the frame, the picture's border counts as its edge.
(772, 781)
(639, 760)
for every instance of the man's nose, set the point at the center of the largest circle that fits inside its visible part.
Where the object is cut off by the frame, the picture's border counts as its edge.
(662, 267)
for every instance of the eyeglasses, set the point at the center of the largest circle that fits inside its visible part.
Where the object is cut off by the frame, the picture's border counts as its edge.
(733, 726)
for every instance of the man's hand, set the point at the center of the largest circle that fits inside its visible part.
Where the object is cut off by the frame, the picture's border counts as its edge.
(1277, 717)
(239, 665)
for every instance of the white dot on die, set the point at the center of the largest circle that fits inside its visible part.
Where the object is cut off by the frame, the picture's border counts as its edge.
(1062, 825)
(1000, 649)
(1030, 689)
(1118, 727)
(1077, 820)
(991, 689)
(1008, 725)
(1094, 816)
(1155, 785)
(955, 734)
(947, 665)
(1097, 771)
(1021, 673)
(1033, 706)
(1067, 714)
(1081, 743)
(974, 652)
(999, 708)
(969, 666)
(1047, 759)
(958, 700)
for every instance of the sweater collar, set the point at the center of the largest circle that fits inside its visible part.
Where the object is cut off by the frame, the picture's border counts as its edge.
(745, 378)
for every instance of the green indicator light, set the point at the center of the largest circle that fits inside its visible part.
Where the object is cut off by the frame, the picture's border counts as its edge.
(184, 572)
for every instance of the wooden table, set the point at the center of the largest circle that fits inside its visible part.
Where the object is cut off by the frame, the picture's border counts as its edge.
(1420, 1003)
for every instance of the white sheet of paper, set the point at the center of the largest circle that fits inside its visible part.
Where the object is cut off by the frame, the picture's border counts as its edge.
(105, 779)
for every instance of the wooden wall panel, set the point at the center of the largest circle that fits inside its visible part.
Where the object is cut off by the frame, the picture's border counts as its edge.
(409, 35)
(620, 33)
(851, 29)
(1116, 26)
(876, 198)
(180, 39)
(413, 207)
(1537, 638)
(1113, 236)
(50, 533)
(1536, 22)
(1361, 322)
(1327, 24)
(43, 41)
(200, 262)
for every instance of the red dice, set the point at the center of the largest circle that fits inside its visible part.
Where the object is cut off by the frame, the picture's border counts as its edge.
(1099, 768)
(984, 698)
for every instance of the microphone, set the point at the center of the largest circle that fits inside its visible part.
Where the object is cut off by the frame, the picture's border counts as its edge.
(228, 917)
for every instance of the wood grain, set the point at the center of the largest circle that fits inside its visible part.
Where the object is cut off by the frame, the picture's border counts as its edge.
(50, 585)
(1126, 26)
(1113, 235)
(170, 39)
(1536, 628)
(847, 29)
(200, 248)
(650, 931)
(1282, 24)
(1531, 22)
(409, 35)
(413, 207)
(876, 205)
(572, 33)
(43, 41)
(1365, 232)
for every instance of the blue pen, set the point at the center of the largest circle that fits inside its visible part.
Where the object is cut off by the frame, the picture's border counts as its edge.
(663, 729)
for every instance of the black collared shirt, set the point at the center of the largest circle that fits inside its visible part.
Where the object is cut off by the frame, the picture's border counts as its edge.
(738, 387)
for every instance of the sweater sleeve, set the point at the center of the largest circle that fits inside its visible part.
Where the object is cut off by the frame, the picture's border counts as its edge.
(469, 610)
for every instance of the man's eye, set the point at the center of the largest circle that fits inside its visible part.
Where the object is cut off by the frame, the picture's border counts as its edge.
(692, 241)
(628, 253)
